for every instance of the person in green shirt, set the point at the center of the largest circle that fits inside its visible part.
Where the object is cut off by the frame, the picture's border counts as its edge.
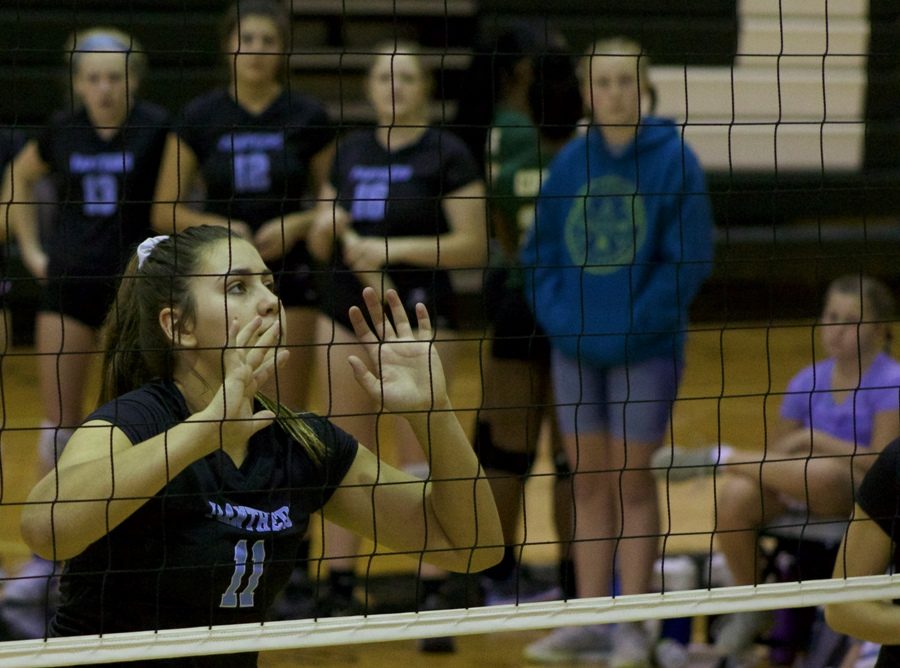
(531, 109)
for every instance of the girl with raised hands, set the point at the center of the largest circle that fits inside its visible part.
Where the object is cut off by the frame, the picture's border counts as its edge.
(188, 473)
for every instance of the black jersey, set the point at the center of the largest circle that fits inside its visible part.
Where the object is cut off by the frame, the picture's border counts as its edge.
(879, 497)
(216, 544)
(11, 142)
(105, 188)
(401, 193)
(256, 167)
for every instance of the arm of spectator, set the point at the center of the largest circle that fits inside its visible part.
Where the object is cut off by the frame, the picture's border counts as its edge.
(172, 211)
(803, 441)
(275, 238)
(21, 209)
(330, 223)
(464, 246)
(320, 168)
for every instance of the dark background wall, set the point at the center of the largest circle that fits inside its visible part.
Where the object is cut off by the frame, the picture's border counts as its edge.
(781, 236)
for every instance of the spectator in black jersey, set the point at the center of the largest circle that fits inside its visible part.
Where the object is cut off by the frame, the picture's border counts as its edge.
(871, 546)
(11, 142)
(188, 472)
(103, 157)
(404, 207)
(251, 156)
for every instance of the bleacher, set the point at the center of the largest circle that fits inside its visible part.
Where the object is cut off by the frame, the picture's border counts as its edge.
(797, 128)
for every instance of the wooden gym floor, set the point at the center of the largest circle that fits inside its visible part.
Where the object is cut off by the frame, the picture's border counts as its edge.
(731, 381)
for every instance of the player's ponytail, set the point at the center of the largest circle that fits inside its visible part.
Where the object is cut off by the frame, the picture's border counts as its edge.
(123, 365)
(296, 427)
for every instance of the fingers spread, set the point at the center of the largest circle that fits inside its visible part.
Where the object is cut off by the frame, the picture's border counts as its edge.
(425, 331)
(264, 345)
(367, 380)
(360, 327)
(246, 332)
(274, 358)
(398, 313)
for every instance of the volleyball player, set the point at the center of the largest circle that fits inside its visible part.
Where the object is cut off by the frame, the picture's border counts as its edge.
(181, 501)
(405, 205)
(260, 152)
(103, 156)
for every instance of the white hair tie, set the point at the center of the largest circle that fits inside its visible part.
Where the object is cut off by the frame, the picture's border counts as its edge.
(146, 247)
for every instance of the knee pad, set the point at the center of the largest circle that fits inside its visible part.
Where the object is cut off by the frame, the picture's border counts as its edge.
(498, 459)
(51, 442)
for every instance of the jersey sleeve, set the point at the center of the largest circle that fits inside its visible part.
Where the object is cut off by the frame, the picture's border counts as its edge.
(458, 165)
(878, 494)
(322, 129)
(884, 393)
(190, 125)
(11, 142)
(340, 452)
(142, 414)
(46, 140)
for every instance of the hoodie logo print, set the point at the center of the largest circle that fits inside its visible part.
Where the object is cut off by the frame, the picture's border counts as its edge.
(606, 225)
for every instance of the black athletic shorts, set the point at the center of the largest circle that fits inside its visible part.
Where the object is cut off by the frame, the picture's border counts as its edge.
(516, 334)
(86, 299)
(294, 279)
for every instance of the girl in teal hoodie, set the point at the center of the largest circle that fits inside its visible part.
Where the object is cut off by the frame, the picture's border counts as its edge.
(621, 243)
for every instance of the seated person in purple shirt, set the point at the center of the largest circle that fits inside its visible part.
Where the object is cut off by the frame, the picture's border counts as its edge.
(836, 417)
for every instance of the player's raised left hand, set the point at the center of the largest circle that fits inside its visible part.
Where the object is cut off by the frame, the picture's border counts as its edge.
(408, 376)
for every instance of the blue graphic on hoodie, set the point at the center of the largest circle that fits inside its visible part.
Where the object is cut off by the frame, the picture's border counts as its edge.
(621, 244)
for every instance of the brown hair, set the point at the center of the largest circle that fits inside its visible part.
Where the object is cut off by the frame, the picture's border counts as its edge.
(243, 9)
(137, 350)
(406, 48)
(877, 303)
(874, 293)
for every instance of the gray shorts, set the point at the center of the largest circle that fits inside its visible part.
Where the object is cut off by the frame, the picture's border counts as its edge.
(632, 402)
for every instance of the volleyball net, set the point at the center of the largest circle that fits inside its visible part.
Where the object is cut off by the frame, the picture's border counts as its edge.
(787, 106)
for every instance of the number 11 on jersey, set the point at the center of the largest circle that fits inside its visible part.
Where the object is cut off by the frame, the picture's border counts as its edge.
(244, 599)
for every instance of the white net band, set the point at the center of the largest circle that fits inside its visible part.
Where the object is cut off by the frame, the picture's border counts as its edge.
(80, 650)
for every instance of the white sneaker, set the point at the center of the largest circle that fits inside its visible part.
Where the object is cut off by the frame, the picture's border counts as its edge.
(669, 653)
(631, 647)
(748, 658)
(588, 644)
(738, 632)
(677, 463)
